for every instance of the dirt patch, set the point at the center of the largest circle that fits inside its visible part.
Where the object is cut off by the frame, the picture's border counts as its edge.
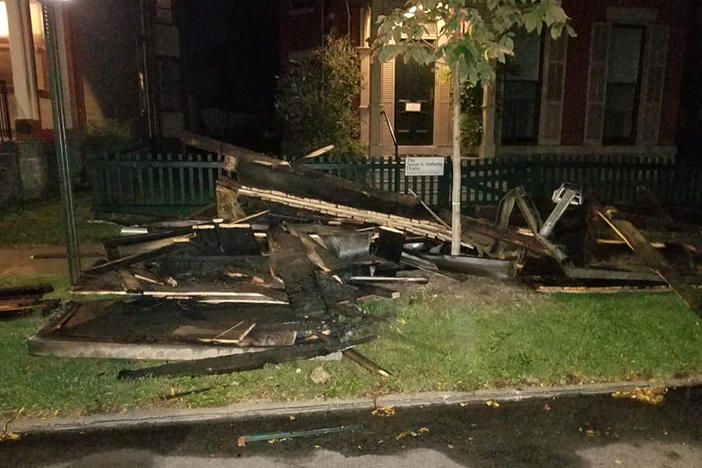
(474, 291)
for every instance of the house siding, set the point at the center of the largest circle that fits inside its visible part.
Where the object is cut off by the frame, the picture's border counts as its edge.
(672, 13)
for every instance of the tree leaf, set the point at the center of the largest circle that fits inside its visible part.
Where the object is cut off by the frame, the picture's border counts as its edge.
(530, 21)
(556, 31)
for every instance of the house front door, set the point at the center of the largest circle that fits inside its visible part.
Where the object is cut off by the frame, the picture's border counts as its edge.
(414, 103)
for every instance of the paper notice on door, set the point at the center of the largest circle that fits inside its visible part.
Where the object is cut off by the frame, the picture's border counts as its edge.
(413, 107)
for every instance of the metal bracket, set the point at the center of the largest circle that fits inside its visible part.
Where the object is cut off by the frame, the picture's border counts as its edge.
(564, 196)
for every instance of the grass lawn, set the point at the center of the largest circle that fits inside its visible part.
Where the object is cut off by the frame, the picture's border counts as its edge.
(476, 335)
(41, 222)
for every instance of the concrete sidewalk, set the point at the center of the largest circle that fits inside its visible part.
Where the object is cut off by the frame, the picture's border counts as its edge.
(266, 409)
(16, 260)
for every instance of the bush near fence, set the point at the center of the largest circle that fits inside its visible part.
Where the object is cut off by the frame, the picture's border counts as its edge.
(171, 184)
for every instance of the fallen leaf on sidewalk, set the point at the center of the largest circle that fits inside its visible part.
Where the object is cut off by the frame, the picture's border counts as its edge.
(417, 433)
(384, 411)
(652, 396)
(492, 404)
(9, 435)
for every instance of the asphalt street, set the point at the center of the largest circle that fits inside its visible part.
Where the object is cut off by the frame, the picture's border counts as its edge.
(572, 432)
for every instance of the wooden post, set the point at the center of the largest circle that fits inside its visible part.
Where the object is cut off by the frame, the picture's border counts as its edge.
(456, 160)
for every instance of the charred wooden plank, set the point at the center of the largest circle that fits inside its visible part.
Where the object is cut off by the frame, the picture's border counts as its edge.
(129, 282)
(389, 244)
(318, 255)
(240, 362)
(33, 291)
(309, 183)
(126, 261)
(262, 171)
(290, 263)
(265, 338)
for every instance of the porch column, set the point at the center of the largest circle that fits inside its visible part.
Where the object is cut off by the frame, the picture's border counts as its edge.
(374, 129)
(487, 144)
(24, 80)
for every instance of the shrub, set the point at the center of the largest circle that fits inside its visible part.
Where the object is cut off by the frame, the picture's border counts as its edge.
(109, 136)
(315, 101)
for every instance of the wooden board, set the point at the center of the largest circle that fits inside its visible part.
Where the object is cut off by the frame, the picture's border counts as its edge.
(653, 258)
(290, 263)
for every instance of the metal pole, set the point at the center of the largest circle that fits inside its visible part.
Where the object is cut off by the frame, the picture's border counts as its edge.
(59, 114)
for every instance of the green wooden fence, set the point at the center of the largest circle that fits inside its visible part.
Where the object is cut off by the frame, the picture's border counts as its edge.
(171, 184)
(153, 184)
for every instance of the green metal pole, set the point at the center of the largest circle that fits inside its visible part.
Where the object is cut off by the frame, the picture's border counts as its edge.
(59, 114)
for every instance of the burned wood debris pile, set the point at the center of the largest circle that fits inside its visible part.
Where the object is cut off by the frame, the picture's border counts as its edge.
(18, 301)
(278, 269)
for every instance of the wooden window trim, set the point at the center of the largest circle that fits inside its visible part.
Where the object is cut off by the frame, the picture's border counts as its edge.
(631, 139)
(534, 140)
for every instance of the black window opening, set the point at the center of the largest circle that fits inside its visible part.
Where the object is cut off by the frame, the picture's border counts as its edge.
(521, 91)
(414, 103)
(623, 85)
(302, 6)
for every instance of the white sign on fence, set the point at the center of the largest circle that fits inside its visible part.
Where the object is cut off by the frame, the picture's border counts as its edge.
(424, 166)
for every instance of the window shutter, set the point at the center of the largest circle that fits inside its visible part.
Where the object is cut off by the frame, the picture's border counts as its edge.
(653, 84)
(442, 111)
(387, 101)
(597, 78)
(552, 90)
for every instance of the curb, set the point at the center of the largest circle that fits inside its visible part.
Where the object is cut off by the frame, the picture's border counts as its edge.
(264, 409)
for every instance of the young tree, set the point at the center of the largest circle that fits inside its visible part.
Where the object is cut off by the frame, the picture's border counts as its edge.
(472, 37)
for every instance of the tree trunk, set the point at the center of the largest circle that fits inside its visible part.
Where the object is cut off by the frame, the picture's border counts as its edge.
(456, 160)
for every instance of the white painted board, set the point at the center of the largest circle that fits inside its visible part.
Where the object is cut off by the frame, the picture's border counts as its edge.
(424, 166)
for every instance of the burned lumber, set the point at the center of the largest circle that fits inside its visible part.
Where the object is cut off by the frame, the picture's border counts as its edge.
(241, 362)
(267, 339)
(309, 183)
(638, 243)
(472, 226)
(235, 154)
(232, 335)
(501, 269)
(24, 292)
(389, 244)
(129, 281)
(290, 263)
(268, 173)
(126, 261)
(317, 254)
(15, 308)
(388, 279)
(349, 244)
(228, 206)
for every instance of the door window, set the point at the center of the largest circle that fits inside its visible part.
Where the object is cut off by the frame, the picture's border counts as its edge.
(414, 103)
